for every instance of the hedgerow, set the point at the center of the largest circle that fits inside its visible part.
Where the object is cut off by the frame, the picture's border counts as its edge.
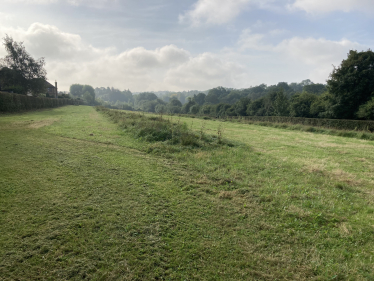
(14, 102)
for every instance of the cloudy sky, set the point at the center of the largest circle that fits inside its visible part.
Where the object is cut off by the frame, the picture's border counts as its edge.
(151, 45)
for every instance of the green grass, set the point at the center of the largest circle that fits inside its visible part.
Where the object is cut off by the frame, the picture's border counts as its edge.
(82, 198)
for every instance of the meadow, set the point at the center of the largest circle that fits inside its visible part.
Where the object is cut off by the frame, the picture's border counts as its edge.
(82, 198)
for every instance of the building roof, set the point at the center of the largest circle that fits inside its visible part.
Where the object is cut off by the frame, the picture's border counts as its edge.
(49, 85)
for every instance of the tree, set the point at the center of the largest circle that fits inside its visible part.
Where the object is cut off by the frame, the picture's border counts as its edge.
(300, 105)
(160, 108)
(194, 109)
(76, 90)
(186, 107)
(352, 83)
(281, 105)
(199, 98)
(256, 108)
(24, 71)
(241, 106)
(214, 95)
(366, 111)
(88, 88)
(87, 96)
(316, 89)
(175, 102)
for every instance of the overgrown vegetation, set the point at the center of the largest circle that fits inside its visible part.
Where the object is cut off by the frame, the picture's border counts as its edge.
(159, 129)
(365, 135)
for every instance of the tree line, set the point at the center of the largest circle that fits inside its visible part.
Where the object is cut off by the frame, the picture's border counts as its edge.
(348, 94)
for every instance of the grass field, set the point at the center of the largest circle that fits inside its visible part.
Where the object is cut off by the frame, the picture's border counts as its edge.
(81, 199)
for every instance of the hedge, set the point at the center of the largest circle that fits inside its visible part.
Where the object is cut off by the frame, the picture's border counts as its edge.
(339, 124)
(14, 102)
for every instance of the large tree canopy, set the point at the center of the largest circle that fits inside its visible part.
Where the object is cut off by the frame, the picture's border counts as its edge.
(352, 84)
(21, 71)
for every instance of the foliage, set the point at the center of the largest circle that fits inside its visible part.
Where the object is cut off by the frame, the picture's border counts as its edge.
(281, 104)
(15, 102)
(315, 89)
(352, 83)
(76, 90)
(256, 108)
(214, 95)
(160, 108)
(21, 72)
(241, 106)
(194, 109)
(175, 102)
(300, 105)
(187, 106)
(366, 111)
(199, 98)
(173, 109)
(112, 95)
(88, 97)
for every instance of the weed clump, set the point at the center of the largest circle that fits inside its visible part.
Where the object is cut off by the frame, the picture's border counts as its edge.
(156, 129)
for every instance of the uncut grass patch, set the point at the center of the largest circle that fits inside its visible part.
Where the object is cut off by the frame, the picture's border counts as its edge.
(367, 135)
(156, 129)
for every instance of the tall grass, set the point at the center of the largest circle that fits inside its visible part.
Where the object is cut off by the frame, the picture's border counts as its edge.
(158, 129)
(365, 135)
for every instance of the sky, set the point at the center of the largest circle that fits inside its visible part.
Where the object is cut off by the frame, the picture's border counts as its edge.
(175, 45)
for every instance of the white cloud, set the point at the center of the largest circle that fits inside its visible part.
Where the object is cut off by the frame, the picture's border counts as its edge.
(310, 56)
(315, 6)
(213, 11)
(253, 61)
(70, 60)
(319, 54)
(205, 71)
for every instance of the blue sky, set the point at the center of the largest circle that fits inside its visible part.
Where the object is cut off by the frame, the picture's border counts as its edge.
(186, 45)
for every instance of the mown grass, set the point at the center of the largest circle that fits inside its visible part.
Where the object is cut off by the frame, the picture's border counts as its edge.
(81, 198)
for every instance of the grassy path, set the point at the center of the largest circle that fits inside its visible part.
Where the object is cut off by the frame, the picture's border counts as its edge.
(80, 199)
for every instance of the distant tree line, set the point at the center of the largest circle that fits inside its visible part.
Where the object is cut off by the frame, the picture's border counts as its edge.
(84, 92)
(115, 98)
(348, 94)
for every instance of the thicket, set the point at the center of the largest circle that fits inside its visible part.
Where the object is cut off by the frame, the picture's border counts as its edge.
(160, 129)
(14, 102)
